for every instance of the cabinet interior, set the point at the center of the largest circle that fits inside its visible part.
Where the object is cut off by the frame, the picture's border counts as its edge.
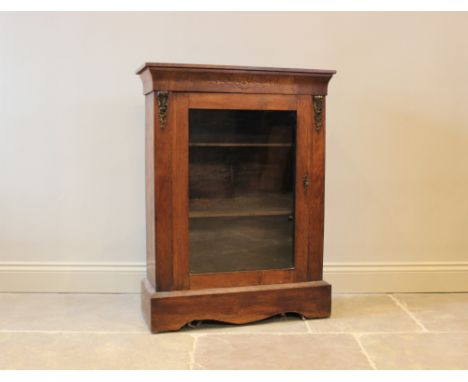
(241, 189)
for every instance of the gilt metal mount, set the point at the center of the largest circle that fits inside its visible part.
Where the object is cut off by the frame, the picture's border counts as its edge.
(318, 111)
(162, 97)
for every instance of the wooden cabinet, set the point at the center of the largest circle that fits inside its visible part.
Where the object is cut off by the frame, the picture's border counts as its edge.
(234, 193)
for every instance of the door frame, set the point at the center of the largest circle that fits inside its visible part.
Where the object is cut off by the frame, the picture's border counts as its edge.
(178, 121)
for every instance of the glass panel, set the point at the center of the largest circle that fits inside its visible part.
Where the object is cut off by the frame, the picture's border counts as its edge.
(241, 190)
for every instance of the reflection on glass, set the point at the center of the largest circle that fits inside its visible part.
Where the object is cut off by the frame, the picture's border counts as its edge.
(241, 190)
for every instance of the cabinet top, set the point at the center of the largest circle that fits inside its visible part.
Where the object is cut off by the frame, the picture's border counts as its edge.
(232, 79)
(205, 67)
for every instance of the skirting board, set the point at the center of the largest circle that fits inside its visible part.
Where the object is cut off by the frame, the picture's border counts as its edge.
(126, 277)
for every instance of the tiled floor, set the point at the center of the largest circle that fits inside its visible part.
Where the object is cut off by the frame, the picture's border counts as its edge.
(97, 331)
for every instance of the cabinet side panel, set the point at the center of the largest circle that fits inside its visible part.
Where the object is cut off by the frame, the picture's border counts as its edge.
(316, 200)
(149, 170)
(178, 120)
(163, 173)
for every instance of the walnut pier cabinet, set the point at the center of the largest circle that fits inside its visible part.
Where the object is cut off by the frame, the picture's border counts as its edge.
(234, 193)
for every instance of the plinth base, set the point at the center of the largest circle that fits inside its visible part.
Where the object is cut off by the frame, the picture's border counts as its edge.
(168, 311)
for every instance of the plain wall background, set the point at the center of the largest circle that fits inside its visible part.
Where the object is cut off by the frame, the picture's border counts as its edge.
(72, 127)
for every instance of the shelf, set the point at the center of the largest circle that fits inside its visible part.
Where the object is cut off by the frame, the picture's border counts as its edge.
(226, 213)
(207, 144)
(261, 205)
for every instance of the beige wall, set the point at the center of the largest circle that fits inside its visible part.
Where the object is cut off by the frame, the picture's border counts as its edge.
(71, 130)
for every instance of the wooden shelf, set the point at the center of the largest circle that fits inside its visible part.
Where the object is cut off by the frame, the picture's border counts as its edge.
(263, 205)
(226, 213)
(208, 144)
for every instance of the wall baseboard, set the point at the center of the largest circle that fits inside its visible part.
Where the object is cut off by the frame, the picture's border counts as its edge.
(397, 277)
(126, 277)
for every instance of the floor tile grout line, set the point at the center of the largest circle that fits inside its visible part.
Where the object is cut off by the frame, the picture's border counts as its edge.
(34, 331)
(250, 333)
(408, 312)
(192, 352)
(306, 322)
(363, 351)
(237, 332)
(335, 333)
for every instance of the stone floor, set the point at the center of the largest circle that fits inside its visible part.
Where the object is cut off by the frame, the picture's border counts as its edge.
(105, 331)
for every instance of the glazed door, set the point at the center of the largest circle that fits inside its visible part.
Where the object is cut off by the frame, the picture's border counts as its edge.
(242, 182)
